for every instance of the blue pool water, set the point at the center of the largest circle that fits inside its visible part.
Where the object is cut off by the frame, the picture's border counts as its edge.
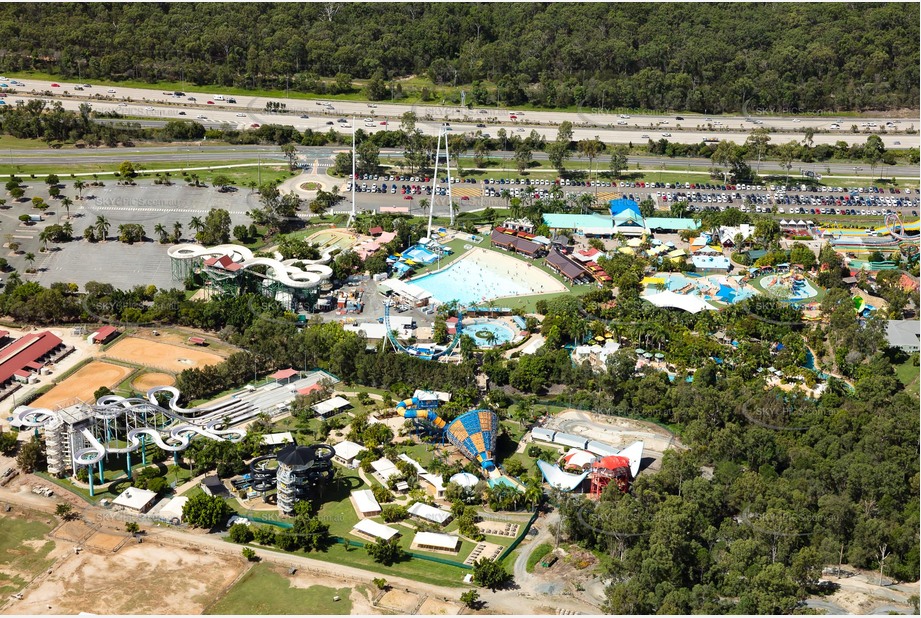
(469, 283)
(420, 254)
(503, 333)
(802, 291)
(725, 294)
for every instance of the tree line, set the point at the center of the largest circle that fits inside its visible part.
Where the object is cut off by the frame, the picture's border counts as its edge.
(715, 58)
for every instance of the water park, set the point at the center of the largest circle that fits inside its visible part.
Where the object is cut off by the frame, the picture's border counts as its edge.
(788, 286)
(234, 269)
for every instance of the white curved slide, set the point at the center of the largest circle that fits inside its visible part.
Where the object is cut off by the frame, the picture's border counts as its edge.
(311, 275)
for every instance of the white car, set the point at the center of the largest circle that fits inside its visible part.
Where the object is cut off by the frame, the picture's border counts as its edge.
(666, 135)
(241, 115)
(111, 90)
(200, 117)
(796, 120)
(123, 105)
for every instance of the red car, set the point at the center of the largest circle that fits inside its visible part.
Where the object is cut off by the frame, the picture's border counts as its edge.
(55, 85)
(464, 198)
(255, 125)
(210, 103)
(408, 197)
(384, 123)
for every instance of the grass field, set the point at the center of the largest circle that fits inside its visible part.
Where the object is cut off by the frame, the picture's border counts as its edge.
(537, 555)
(908, 375)
(263, 591)
(23, 550)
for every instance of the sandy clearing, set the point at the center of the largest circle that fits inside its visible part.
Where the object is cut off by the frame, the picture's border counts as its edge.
(146, 381)
(83, 384)
(161, 355)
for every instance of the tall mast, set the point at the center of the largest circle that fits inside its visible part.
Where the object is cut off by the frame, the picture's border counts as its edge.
(434, 183)
(352, 215)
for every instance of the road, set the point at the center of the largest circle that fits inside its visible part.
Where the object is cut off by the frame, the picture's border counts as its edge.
(224, 152)
(693, 128)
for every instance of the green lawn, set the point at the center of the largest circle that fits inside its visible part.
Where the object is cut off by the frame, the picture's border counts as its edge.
(23, 550)
(908, 375)
(265, 591)
(250, 170)
(116, 472)
(537, 555)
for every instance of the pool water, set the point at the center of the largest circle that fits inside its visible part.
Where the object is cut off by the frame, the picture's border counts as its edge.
(469, 283)
(478, 330)
(420, 254)
(726, 293)
(802, 291)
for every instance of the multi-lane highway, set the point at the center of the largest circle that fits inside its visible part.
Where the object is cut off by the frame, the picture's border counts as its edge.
(157, 106)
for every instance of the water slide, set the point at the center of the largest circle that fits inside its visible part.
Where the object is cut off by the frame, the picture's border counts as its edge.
(111, 407)
(285, 272)
(417, 351)
(409, 408)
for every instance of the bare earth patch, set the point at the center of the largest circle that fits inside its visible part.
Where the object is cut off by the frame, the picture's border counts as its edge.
(147, 381)
(82, 384)
(140, 579)
(436, 607)
(401, 601)
(161, 355)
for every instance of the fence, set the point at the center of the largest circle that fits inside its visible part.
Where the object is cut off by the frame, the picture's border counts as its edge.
(520, 538)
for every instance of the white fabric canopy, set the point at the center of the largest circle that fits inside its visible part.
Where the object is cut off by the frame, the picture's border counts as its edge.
(669, 299)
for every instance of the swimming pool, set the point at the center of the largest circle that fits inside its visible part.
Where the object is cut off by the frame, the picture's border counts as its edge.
(420, 254)
(469, 283)
(725, 293)
(483, 331)
(785, 290)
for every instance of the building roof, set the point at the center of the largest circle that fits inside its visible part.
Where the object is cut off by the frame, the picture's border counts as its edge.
(376, 231)
(375, 529)
(134, 498)
(430, 513)
(579, 458)
(347, 449)
(330, 405)
(600, 448)
(587, 255)
(272, 439)
(284, 374)
(568, 439)
(310, 389)
(634, 453)
(406, 289)
(673, 300)
(710, 262)
(197, 340)
(518, 244)
(224, 262)
(436, 539)
(296, 456)
(567, 267)
(435, 480)
(373, 331)
(557, 221)
(903, 333)
(415, 464)
(212, 481)
(385, 468)
(27, 349)
(104, 333)
(173, 508)
(622, 205)
(545, 435)
(675, 224)
(365, 501)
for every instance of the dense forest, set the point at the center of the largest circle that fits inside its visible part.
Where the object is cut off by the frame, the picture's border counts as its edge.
(701, 57)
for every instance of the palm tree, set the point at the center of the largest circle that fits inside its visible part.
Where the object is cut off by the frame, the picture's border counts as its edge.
(489, 337)
(102, 227)
(177, 231)
(160, 230)
(66, 202)
(30, 258)
(79, 185)
(196, 224)
(44, 237)
(505, 195)
(590, 148)
(423, 204)
(68, 228)
(533, 492)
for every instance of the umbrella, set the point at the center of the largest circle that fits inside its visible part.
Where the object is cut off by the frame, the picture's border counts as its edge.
(659, 355)
(647, 355)
(639, 350)
(599, 338)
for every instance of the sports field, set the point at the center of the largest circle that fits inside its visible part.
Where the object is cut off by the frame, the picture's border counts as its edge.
(158, 355)
(148, 380)
(82, 384)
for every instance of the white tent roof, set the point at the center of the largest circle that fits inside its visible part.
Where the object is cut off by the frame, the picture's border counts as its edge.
(436, 539)
(435, 480)
(579, 458)
(464, 479)
(544, 435)
(691, 304)
(331, 405)
(420, 509)
(375, 529)
(173, 508)
(365, 501)
(347, 449)
(284, 437)
(415, 464)
(559, 479)
(385, 468)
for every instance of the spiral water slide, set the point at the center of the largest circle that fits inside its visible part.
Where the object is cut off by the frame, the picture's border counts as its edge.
(313, 273)
(110, 407)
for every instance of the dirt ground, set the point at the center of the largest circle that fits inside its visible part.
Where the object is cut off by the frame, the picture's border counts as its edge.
(104, 542)
(401, 601)
(83, 384)
(361, 605)
(147, 381)
(140, 579)
(74, 531)
(436, 607)
(161, 355)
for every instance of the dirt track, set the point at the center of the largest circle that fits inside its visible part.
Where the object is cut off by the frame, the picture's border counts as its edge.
(83, 384)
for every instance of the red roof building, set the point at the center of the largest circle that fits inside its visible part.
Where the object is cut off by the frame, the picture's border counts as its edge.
(27, 352)
(225, 262)
(376, 231)
(310, 389)
(197, 341)
(105, 334)
(284, 375)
